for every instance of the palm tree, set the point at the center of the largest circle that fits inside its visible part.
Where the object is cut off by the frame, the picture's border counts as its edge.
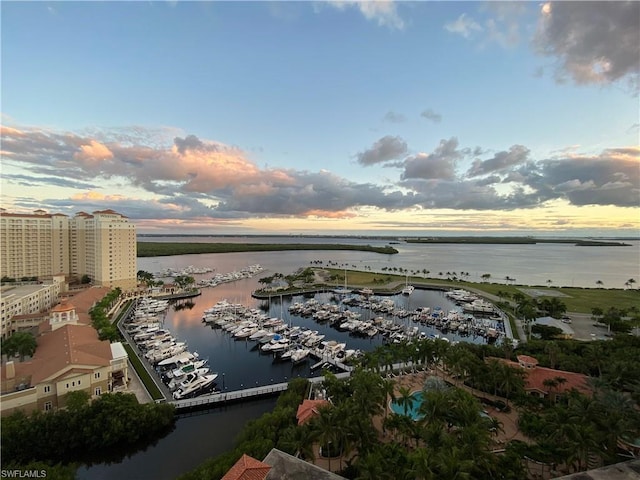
(422, 464)
(512, 380)
(388, 388)
(629, 283)
(453, 464)
(370, 466)
(405, 399)
(599, 283)
(325, 426)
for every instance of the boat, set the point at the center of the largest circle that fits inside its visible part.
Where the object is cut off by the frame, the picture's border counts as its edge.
(188, 368)
(343, 290)
(195, 387)
(299, 355)
(408, 289)
(183, 357)
(183, 380)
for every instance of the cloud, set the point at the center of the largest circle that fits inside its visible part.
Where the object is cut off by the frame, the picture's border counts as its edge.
(93, 151)
(610, 178)
(193, 179)
(516, 155)
(593, 42)
(393, 117)
(464, 26)
(381, 11)
(441, 164)
(429, 114)
(32, 181)
(386, 149)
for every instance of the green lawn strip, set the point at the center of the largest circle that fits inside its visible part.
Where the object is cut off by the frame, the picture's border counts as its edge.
(158, 249)
(148, 382)
(579, 300)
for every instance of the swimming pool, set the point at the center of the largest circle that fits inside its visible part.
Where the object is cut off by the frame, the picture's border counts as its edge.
(412, 410)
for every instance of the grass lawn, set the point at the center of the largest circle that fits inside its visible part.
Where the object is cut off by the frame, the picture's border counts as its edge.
(149, 384)
(579, 300)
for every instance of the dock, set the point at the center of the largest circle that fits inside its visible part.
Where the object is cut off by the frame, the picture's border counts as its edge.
(223, 398)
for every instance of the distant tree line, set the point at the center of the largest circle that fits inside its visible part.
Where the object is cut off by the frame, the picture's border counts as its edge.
(156, 249)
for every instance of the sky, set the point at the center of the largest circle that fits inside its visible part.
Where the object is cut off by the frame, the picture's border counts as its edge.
(352, 117)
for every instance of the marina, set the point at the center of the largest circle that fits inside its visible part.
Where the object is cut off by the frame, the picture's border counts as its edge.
(240, 368)
(287, 336)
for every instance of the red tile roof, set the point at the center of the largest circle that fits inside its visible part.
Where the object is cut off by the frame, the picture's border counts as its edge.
(247, 468)
(527, 359)
(308, 409)
(85, 299)
(535, 377)
(70, 346)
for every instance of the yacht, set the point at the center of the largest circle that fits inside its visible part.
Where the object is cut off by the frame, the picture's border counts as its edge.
(299, 355)
(185, 379)
(195, 387)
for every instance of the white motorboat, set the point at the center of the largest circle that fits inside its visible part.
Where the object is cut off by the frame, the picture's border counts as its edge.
(188, 368)
(183, 358)
(182, 381)
(195, 387)
(299, 355)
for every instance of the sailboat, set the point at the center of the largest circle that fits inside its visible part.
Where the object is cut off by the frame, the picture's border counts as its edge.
(408, 289)
(343, 290)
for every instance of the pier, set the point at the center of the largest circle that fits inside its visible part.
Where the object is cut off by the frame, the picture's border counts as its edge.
(218, 399)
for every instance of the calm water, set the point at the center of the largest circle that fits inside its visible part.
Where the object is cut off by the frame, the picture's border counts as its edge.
(197, 438)
(194, 439)
(563, 264)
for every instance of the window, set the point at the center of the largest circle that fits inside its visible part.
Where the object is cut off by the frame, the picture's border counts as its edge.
(96, 375)
(47, 388)
(48, 406)
(98, 391)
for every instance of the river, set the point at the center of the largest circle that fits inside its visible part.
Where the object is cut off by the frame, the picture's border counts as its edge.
(198, 437)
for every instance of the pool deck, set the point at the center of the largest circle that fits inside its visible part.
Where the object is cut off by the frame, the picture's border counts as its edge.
(415, 381)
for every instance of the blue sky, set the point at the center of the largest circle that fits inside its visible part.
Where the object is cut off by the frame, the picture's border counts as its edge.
(319, 117)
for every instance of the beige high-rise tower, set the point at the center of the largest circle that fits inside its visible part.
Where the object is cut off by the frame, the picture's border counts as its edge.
(101, 245)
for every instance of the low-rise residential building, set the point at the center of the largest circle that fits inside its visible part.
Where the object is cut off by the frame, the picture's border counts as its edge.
(547, 382)
(23, 306)
(69, 357)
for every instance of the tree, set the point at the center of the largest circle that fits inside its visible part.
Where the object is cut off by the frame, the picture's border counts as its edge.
(85, 279)
(20, 343)
(599, 283)
(486, 276)
(75, 401)
(405, 399)
(145, 277)
(184, 281)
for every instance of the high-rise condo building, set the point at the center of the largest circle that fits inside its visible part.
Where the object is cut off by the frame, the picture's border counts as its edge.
(101, 245)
